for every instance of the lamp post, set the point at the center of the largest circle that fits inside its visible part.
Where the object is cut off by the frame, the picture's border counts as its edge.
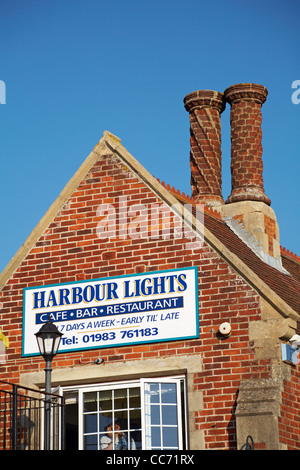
(48, 339)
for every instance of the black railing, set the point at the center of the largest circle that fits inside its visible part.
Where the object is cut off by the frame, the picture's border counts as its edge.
(22, 418)
(249, 444)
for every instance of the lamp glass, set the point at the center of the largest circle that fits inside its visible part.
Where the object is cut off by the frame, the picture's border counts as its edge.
(48, 339)
(49, 344)
(40, 344)
(56, 344)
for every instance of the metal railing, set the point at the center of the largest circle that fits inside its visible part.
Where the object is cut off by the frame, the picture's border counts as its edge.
(249, 444)
(22, 418)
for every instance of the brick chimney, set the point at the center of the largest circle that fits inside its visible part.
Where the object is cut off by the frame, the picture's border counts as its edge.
(247, 210)
(205, 108)
(246, 100)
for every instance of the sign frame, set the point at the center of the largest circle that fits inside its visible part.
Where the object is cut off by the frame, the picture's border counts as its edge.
(135, 338)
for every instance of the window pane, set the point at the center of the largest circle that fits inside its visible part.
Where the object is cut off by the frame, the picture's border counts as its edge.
(168, 393)
(155, 414)
(90, 401)
(136, 440)
(105, 398)
(169, 414)
(105, 440)
(155, 437)
(120, 401)
(134, 398)
(121, 419)
(105, 419)
(90, 442)
(135, 419)
(170, 437)
(121, 441)
(90, 423)
(154, 392)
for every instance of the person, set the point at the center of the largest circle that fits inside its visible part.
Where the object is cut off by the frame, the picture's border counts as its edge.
(114, 439)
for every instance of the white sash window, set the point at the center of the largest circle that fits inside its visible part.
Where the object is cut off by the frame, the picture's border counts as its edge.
(143, 414)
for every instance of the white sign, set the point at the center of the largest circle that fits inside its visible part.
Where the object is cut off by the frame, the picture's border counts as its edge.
(115, 311)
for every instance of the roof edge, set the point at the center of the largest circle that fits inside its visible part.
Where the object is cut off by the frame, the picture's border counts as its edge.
(53, 210)
(290, 254)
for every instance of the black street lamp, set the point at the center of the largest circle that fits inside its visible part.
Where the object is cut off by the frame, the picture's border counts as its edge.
(48, 339)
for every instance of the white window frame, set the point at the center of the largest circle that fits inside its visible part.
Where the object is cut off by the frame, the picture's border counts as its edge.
(96, 388)
(146, 438)
(142, 383)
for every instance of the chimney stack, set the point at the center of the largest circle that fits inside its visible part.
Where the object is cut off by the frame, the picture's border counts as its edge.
(247, 210)
(205, 108)
(246, 100)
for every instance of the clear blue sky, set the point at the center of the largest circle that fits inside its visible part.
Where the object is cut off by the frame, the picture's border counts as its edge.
(73, 69)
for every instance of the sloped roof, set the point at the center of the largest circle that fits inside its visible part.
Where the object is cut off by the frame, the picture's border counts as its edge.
(291, 263)
(285, 285)
(280, 289)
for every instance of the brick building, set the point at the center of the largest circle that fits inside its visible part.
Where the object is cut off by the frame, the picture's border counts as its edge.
(176, 311)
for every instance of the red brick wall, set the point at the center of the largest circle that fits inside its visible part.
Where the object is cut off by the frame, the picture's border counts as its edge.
(227, 361)
(288, 421)
(70, 250)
